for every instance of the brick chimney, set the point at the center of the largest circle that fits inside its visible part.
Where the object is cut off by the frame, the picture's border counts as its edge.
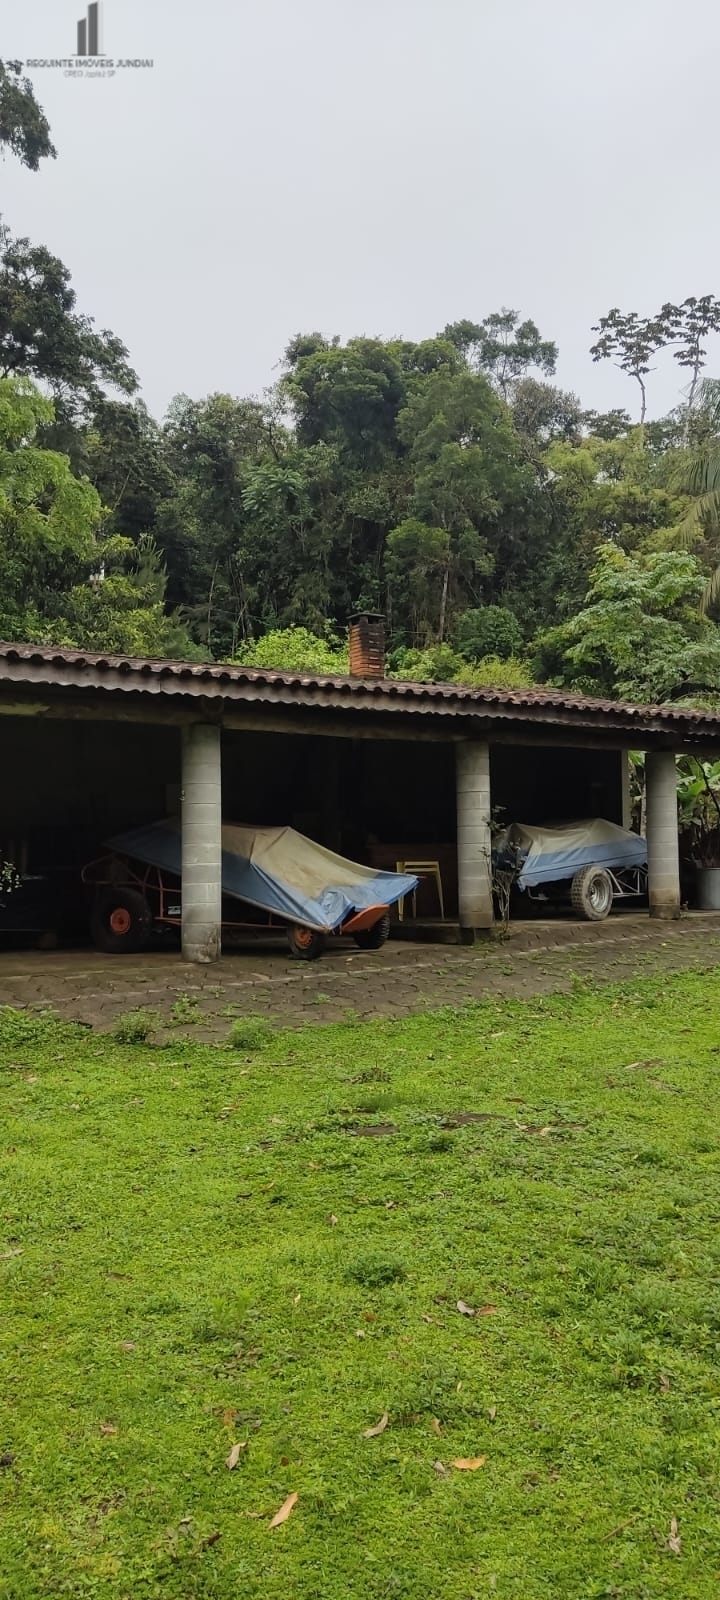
(367, 645)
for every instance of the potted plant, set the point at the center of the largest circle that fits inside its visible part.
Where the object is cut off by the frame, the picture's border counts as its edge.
(699, 820)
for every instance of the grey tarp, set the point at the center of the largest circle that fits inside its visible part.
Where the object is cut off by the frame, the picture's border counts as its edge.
(549, 852)
(277, 870)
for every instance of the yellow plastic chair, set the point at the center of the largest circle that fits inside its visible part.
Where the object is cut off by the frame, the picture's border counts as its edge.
(421, 869)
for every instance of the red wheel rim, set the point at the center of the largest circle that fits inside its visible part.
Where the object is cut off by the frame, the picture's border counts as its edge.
(303, 938)
(120, 919)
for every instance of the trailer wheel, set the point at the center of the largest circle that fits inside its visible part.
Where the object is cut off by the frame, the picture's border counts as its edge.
(305, 944)
(373, 938)
(591, 893)
(120, 921)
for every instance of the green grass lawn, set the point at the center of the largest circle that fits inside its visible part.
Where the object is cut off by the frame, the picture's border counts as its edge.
(198, 1249)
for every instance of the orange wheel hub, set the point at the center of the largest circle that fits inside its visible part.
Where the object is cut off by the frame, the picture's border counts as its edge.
(120, 919)
(303, 937)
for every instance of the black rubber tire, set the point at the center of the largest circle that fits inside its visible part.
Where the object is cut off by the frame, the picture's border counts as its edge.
(304, 943)
(591, 894)
(137, 934)
(375, 937)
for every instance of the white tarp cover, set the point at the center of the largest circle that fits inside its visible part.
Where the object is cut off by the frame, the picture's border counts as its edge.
(553, 851)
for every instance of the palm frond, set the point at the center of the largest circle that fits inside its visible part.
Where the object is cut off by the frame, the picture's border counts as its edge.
(711, 593)
(702, 475)
(702, 518)
(707, 402)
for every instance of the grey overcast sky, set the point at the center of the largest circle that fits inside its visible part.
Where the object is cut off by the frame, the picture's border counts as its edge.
(374, 167)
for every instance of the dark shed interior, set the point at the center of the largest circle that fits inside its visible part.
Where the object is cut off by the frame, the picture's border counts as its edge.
(70, 785)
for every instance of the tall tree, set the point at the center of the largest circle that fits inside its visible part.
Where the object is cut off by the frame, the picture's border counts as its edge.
(638, 636)
(688, 326)
(209, 448)
(43, 335)
(630, 341)
(48, 518)
(121, 449)
(542, 413)
(504, 348)
(62, 581)
(24, 128)
(470, 480)
(347, 395)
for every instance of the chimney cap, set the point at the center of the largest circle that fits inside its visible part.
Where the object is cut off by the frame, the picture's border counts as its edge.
(372, 616)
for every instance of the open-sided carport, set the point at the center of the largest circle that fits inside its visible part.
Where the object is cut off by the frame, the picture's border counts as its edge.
(125, 740)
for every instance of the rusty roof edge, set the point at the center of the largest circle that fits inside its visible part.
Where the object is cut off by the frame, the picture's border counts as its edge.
(36, 665)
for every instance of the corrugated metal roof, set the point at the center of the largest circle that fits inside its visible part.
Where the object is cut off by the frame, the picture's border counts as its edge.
(45, 664)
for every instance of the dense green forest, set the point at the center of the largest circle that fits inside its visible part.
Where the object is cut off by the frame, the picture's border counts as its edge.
(509, 535)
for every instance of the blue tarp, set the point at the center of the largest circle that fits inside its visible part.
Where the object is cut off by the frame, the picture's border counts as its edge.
(279, 871)
(549, 853)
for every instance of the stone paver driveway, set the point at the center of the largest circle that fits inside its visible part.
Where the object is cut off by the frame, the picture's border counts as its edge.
(201, 1002)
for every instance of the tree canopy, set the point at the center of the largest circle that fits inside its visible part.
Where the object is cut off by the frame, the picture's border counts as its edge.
(505, 530)
(24, 128)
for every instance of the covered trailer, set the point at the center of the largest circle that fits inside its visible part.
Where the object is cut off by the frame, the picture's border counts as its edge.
(590, 863)
(272, 879)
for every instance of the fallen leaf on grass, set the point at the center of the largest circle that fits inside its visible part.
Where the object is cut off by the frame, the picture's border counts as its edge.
(465, 1311)
(486, 1311)
(284, 1512)
(469, 1463)
(228, 1416)
(212, 1538)
(127, 1345)
(435, 1425)
(674, 1540)
(492, 1413)
(332, 1219)
(440, 1468)
(7, 1254)
(108, 1427)
(664, 1383)
(234, 1456)
(372, 1433)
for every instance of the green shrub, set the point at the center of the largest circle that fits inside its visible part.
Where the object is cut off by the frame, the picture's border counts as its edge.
(488, 631)
(251, 1033)
(294, 650)
(375, 1271)
(135, 1027)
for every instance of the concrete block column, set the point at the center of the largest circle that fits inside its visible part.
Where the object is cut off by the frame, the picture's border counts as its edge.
(474, 844)
(662, 834)
(201, 808)
(625, 795)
